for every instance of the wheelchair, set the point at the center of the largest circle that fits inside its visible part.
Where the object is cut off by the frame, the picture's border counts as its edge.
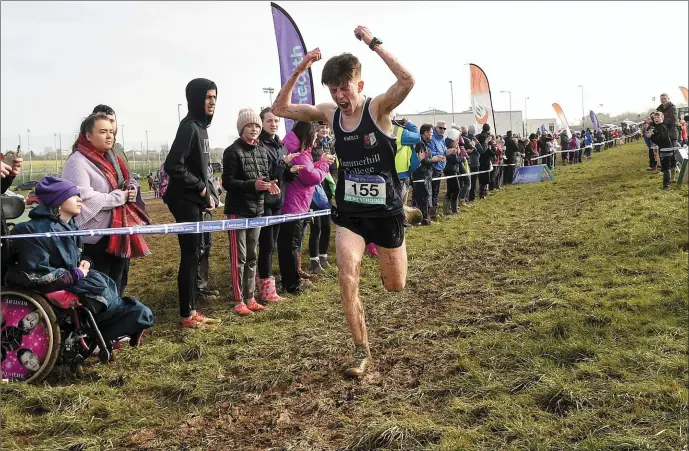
(37, 333)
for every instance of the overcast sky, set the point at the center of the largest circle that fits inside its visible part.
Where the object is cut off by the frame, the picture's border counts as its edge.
(60, 59)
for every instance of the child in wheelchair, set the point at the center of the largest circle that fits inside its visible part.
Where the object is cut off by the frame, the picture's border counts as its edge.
(54, 267)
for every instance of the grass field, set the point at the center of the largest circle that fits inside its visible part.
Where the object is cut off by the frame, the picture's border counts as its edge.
(550, 316)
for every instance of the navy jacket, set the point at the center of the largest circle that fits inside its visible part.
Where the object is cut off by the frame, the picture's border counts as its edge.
(47, 264)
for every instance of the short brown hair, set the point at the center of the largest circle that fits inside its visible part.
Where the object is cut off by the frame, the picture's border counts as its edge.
(263, 112)
(341, 69)
(424, 128)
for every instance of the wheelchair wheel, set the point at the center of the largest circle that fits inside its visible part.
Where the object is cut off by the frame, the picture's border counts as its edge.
(30, 336)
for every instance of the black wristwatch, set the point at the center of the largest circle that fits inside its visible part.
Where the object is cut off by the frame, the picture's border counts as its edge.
(374, 42)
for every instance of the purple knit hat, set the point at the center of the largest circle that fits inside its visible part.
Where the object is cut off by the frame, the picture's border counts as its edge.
(52, 191)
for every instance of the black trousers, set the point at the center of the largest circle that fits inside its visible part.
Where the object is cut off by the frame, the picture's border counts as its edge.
(483, 182)
(452, 192)
(435, 185)
(667, 163)
(204, 255)
(267, 243)
(422, 196)
(120, 321)
(508, 174)
(474, 184)
(319, 240)
(190, 249)
(117, 268)
(289, 241)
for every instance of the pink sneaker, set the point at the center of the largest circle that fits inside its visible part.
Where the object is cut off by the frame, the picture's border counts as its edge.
(200, 317)
(254, 306)
(371, 249)
(242, 309)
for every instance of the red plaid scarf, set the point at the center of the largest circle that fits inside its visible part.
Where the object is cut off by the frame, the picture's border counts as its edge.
(127, 215)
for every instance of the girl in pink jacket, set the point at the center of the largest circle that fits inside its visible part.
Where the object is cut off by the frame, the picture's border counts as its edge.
(298, 195)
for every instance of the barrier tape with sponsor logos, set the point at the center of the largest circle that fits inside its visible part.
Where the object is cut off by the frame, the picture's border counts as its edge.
(469, 174)
(180, 228)
(238, 224)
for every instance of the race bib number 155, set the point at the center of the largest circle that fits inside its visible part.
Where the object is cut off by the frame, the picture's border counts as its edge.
(365, 189)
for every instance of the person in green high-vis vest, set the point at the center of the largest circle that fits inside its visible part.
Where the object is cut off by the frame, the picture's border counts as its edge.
(407, 135)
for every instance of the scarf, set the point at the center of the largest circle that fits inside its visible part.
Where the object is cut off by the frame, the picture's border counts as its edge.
(127, 215)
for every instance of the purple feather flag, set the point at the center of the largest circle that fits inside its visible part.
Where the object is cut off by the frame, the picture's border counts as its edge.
(594, 120)
(291, 50)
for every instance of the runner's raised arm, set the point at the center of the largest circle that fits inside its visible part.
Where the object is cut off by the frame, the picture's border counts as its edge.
(395, 95)
(283, 106)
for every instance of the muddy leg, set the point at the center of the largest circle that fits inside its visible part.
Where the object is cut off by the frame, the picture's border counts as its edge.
(393, 267)
(349, 248)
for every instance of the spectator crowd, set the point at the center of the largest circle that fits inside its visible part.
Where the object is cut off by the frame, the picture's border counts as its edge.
(265, 176)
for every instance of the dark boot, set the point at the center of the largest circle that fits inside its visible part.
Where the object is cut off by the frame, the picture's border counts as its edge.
(316, 268)
(446, 207)
(303, 274)
(453, 203)
(666, 179)
(433, 213)
(207, 292)
(482, 193)
(323, 261)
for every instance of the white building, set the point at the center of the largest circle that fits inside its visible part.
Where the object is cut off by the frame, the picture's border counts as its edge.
(535, 124)
(504, 120)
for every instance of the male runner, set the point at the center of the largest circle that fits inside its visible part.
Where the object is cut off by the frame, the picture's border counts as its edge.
(368, 191)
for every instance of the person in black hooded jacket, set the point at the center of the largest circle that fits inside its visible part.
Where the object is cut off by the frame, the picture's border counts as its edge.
(659, 135)
(486, 160)
(670, 117)
(544, 149)
(188, 191)
(511, 152)
(452, 168)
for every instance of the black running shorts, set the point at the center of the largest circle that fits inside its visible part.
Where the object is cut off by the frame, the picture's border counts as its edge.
(387, 232)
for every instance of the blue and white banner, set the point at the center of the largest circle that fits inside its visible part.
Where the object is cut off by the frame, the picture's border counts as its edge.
(532, 174)
(181, 228)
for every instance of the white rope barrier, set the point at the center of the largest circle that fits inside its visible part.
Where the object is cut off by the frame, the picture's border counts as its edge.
(590, 146)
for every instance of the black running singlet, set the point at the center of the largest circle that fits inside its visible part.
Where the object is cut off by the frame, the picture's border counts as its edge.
(367, 183)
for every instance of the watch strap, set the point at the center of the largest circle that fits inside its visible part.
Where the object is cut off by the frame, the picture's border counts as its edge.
(374, 42)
